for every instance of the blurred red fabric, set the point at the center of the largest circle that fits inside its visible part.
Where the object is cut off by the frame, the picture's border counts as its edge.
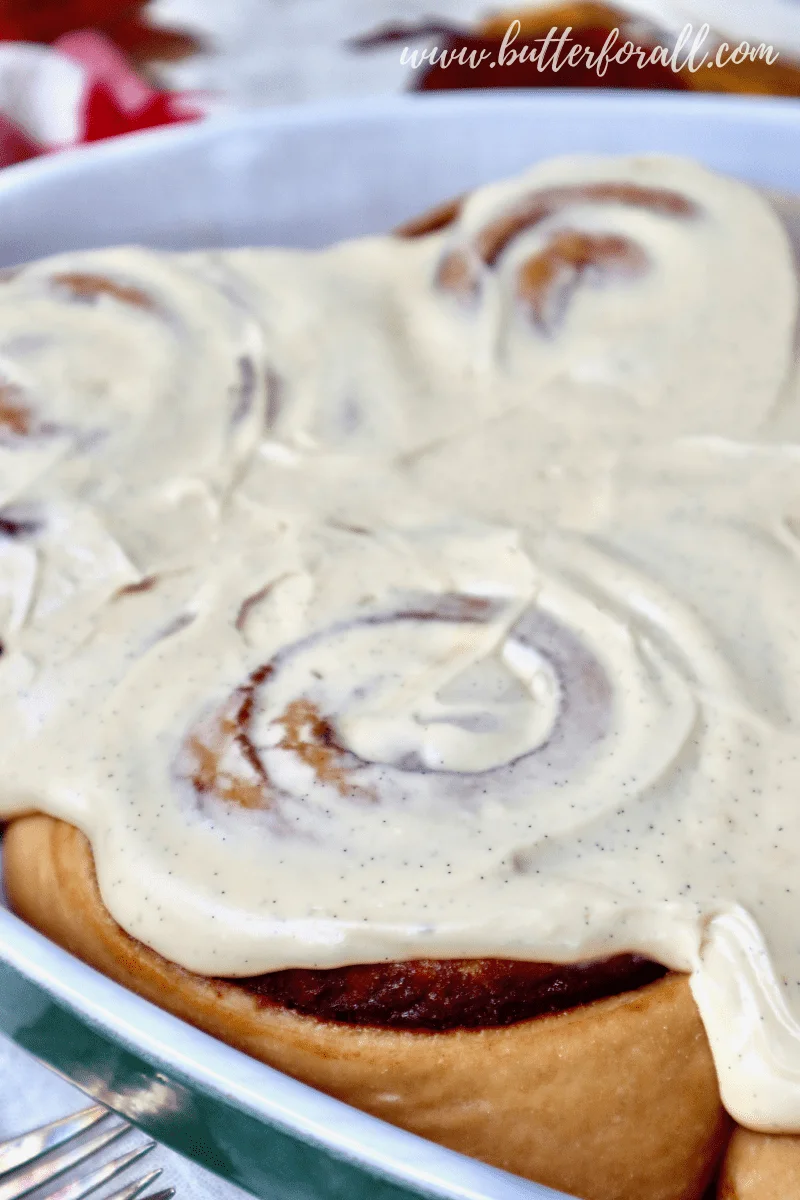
(114, 99)
(123, 21)
(15, 146)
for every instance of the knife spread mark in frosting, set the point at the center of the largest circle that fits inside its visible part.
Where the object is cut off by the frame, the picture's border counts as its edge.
(373, 626)
(319, 719)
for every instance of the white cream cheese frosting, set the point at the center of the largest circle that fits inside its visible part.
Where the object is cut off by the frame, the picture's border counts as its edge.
(430, 597)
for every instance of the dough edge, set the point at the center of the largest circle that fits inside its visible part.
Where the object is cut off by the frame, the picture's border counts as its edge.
(616, 1100)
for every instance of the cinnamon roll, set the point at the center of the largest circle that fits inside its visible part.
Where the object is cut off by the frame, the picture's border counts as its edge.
(556, 1098)
(131, 364)
(449, 768)
(131, 395)
(758, 1166)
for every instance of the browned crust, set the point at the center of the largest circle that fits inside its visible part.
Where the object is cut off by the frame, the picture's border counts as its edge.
(616, 1100)
(760, 1166)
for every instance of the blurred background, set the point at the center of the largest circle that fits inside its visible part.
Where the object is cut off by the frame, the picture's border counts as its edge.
(78, 70)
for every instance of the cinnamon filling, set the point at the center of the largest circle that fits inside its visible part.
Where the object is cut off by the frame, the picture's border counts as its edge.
(89, 288)
(548, 278)
(19, 523)
(439, 995)
(221, 757)
(15, 418)
(223, 760)
(432, 221)
(497, 236)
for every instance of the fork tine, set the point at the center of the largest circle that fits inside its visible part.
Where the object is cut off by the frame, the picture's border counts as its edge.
(133, 1189)
(42, 1172)
(19, 1150)
(82, 1187)
(165, 1194)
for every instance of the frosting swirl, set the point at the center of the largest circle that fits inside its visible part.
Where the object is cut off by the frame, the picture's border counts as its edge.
(130, 394)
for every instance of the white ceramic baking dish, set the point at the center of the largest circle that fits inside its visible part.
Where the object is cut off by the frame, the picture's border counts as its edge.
(302, 177)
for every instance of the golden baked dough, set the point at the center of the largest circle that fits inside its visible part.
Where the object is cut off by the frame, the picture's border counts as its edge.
(760, 1166)
(617, 1100)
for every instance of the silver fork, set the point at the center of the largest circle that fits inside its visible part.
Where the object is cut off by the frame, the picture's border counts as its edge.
(36, 1158)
